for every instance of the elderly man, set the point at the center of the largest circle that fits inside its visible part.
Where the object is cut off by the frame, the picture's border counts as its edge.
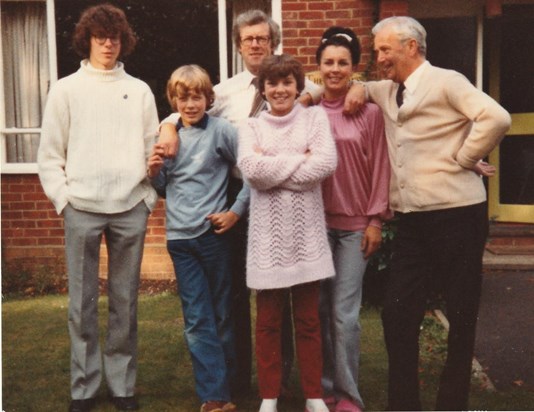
(439, 127)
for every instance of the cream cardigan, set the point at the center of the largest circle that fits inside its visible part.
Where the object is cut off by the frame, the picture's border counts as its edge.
(436, 137)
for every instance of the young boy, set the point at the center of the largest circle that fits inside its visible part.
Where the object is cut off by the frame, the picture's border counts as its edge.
(194, 184)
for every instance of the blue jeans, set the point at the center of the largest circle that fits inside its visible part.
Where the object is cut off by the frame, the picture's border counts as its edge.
(204, 285)
(339, 309)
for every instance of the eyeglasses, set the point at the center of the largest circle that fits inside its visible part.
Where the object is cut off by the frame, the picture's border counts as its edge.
(262, 40)
(102, 40)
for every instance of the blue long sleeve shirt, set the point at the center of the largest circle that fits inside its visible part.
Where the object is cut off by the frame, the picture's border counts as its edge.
(195, 182)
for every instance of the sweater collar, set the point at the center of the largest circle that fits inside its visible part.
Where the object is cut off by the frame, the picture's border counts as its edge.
(283, 120)
(103, 75)
(334, 103)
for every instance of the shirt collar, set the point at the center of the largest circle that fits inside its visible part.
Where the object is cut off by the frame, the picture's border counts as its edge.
(413, 79)
(249, 77)
(202, 124)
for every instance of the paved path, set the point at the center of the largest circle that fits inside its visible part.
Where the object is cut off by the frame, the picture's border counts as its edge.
(505, 331)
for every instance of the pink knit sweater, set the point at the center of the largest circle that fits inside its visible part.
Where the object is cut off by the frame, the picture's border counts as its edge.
(287, 243)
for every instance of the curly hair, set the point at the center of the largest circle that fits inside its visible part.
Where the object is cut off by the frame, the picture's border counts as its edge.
(189, 78)
(103, 20)
(278, 67)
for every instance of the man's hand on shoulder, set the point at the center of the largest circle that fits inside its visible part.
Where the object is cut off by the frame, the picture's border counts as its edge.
(306, 100)
(168, 139)
(355, 99)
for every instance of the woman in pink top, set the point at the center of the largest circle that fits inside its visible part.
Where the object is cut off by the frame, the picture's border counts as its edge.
(356, 201)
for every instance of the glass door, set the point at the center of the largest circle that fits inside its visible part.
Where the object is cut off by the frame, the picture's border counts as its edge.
(511, 82)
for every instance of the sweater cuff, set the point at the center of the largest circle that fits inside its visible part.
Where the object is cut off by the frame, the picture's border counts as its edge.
(376, 222)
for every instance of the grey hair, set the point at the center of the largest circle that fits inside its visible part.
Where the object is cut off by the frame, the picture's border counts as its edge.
(251, 18)
(406, 28)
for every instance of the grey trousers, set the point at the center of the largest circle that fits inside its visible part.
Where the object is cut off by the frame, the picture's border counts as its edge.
(124, 234)
(339, 309)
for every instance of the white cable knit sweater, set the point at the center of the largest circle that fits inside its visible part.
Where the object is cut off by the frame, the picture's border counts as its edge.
(287, 242)
(98, 130)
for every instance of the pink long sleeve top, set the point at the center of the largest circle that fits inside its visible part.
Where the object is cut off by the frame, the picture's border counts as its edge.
(356, 195)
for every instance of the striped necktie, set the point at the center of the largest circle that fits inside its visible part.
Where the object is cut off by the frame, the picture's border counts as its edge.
(258, 104)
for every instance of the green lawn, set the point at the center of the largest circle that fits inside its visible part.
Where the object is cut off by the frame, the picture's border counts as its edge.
(35, 355)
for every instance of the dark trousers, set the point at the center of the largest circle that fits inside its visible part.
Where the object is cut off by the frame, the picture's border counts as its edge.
(434, 252)
(241, 309)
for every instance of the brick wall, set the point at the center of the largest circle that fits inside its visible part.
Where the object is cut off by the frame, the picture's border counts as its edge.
(305, 21)
(33, 236)
(390, 8)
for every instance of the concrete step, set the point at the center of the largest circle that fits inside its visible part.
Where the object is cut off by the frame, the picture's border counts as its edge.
(493, 262)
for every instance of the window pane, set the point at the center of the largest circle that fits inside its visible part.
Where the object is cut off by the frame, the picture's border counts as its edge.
(22, 148)
(517, 73)
(445, 37)
(517, 170)
(26, 72)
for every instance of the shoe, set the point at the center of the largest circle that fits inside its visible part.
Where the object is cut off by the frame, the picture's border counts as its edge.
(268, 405)
(330, 403)
(125, 403)
(347, 405)
(315, 405)
(81, 405)
(217, 406)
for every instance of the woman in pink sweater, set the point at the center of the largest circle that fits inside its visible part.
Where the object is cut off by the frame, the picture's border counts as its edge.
(284, 155)
(356, 200)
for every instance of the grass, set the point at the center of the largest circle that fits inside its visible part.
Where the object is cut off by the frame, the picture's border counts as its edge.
(35, 354)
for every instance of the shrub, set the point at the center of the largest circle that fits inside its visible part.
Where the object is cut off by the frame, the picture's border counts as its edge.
(35, 281)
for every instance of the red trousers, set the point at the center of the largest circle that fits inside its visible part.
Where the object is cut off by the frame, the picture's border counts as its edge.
(270, 307)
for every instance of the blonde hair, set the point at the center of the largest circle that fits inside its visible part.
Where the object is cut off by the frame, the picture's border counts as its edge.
(189, 78)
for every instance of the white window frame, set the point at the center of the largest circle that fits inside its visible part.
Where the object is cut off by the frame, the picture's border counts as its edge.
(21, 168)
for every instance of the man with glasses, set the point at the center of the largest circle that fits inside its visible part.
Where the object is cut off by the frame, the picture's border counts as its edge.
(256, 36)
(98, 129)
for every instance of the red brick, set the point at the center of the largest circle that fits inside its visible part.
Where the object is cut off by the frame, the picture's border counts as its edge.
(10, 215)
(295, 24)
(50, 223)
(21, 188)
(50, 241)
(314, 33)
(338, 14)
(36, 215)
(8, 197)
(287, 5)
(42, 233)
(22, 241)
(312, 15)
(320, 5)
